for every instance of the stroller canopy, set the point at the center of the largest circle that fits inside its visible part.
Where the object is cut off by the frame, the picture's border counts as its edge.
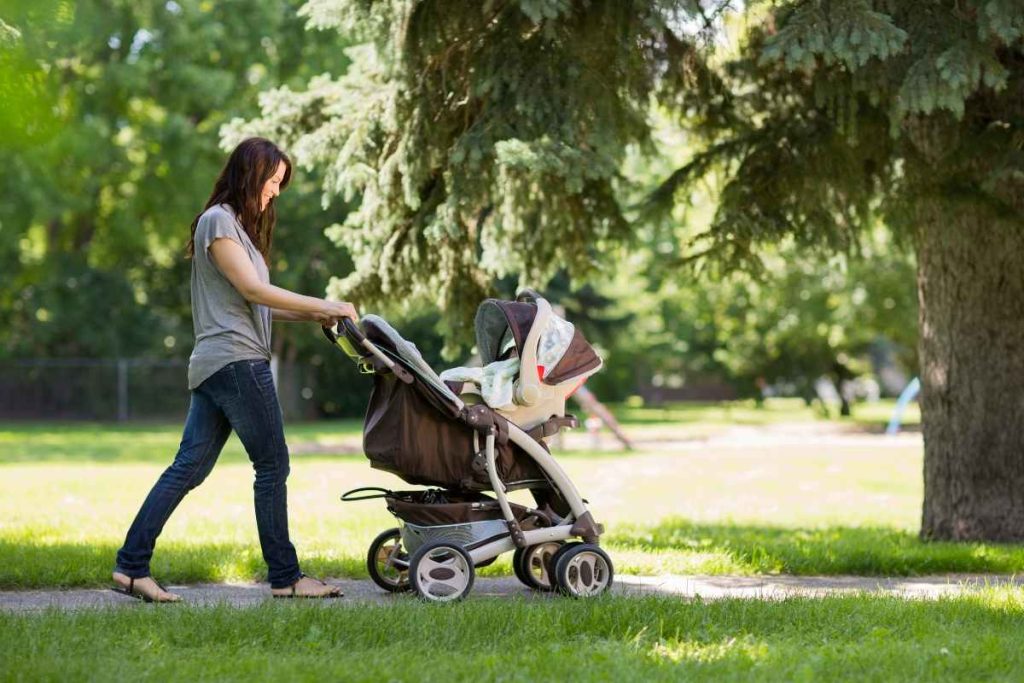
(562, 354)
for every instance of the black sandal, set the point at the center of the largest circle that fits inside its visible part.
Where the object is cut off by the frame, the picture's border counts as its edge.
(130, 591)
(293, 594)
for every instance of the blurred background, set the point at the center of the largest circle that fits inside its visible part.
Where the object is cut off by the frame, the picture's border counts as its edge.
(111, 137)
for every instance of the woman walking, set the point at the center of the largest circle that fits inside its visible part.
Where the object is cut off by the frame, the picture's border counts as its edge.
(233, 305)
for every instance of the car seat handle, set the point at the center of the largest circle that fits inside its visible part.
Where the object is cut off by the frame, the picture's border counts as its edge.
(527, 388)
(527, 295)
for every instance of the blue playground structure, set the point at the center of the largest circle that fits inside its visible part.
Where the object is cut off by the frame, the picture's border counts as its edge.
(909, 394)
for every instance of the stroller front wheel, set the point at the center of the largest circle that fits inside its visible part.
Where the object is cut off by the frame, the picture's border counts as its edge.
(441, 572)
(532, 564)
(583, 570)
(388, 563)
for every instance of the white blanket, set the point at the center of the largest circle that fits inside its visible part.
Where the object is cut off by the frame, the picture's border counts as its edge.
(494, 380)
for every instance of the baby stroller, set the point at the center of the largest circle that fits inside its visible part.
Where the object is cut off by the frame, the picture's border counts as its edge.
(444, 434)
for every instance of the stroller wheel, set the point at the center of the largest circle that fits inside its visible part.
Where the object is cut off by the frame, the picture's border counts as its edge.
(532, 565)
(583, 571)
(441, 572)
(388, 563)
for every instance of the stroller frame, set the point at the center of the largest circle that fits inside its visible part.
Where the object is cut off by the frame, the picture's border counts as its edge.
(555, 564)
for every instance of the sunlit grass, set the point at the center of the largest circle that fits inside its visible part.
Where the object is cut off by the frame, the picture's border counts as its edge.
(134, 442)
(771, 411)
(732, 508)
(857, 638)
(34, 442)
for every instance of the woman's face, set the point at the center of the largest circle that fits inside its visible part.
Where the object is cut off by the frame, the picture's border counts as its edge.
(272, 187)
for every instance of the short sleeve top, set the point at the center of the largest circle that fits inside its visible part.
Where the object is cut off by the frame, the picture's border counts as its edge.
(227, 327)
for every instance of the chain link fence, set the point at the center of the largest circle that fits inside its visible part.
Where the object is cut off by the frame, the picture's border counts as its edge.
(125, 389)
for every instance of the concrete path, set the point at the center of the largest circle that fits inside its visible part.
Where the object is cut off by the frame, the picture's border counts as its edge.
(683, 587)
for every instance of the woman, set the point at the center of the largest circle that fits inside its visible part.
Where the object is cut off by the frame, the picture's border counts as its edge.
(233, 304)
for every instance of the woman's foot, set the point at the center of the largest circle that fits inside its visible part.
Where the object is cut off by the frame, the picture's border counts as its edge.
(144, 588)
(307, 587)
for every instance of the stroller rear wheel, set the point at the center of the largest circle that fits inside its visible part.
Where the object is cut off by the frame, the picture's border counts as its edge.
(532, 564)
(388, 563)
(441, 572)
(583, 570)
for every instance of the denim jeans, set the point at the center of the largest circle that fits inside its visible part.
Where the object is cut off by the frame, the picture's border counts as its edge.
(239, 396)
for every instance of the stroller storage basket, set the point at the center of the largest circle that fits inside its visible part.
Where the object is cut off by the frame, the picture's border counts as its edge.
(468, 519)
(433, 507)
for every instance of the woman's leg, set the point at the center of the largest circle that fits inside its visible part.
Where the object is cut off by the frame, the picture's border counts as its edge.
(206, 430)
(256, 418)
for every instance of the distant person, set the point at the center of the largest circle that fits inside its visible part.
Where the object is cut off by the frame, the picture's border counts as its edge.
(233, 304)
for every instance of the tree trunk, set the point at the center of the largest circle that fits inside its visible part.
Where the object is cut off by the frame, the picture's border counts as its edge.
(971, 291)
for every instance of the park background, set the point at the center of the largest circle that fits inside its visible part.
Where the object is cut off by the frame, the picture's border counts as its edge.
(731, 200)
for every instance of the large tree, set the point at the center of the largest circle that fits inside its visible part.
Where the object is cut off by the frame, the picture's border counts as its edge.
(843, 110)
(487, 139)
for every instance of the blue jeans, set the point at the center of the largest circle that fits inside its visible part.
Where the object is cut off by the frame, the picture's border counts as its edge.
(239, 396)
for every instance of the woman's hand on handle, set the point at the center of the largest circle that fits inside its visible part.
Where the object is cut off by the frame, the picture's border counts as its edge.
(334, 311)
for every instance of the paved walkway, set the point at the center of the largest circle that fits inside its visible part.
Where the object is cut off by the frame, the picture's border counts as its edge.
(684, 587)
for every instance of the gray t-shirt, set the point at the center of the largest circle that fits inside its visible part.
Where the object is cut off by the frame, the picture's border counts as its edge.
(227, 327)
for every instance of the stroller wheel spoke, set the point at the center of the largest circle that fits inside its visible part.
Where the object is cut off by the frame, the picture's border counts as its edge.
(441, 572)
(388, 563)
(583, 571)
(532, 565)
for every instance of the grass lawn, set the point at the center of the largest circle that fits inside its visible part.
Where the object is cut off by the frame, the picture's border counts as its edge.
(702, 502)
(975, 637)
(771, 411)
(67, 496)
(140, 442)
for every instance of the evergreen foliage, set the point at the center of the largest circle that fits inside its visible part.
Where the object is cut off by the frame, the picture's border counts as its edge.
(847, 109)
(483, 139)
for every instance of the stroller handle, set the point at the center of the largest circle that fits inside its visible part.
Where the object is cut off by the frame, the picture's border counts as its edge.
(351, 329)
(353, 333)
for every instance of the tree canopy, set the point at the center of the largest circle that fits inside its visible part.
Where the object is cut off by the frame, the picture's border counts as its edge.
(109, 145)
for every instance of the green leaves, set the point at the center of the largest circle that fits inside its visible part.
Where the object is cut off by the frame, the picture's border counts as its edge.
(850, 34)
(539, 10)
(109, 116)
(948, 80)
(1002, 20)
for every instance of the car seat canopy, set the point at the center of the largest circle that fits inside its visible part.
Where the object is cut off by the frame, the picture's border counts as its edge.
(563, 352)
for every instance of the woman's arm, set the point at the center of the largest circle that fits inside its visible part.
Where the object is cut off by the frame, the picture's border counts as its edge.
(234, 263)
(282, 315)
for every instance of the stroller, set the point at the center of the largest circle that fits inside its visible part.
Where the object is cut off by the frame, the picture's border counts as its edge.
(443, 434)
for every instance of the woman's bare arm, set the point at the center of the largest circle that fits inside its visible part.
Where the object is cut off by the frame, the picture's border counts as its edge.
(283, 315)
(234, 263)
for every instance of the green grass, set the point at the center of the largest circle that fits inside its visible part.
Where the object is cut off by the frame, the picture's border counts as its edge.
(29, 442)
(746, 506)
(772, 411)
(760, 549)
(872, 638)
(139, 442)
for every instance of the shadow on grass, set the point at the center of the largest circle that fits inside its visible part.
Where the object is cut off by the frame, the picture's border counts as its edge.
(30, 565)
(869, 551)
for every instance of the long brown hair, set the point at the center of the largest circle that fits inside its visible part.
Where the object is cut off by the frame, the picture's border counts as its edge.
(240, 185)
